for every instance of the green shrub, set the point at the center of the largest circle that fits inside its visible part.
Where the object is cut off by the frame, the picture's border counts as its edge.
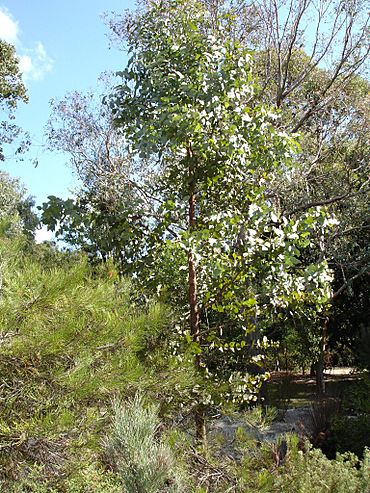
(351, 433)
(91, 479)
(145, 464)
(70, 339)
(312, 472)
(283, 467)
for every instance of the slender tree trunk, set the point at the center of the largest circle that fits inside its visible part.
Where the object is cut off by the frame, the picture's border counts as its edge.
(320, 381)
(193, 291)
(199, 414)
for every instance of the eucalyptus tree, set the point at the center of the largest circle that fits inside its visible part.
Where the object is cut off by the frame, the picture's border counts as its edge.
(311, 60)
(187, 99)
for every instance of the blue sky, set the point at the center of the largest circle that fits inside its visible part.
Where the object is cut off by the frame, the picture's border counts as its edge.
(63, 46)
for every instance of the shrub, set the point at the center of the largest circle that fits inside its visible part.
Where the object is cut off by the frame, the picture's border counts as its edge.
(312, 472)
(351, 431)
(145, 464)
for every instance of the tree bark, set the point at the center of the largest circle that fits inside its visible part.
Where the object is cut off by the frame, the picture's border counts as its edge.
(193, 292)
(199, 414)
(320, 381)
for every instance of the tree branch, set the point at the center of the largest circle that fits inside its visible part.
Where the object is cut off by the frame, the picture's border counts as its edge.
(319, 203)
(348, 282)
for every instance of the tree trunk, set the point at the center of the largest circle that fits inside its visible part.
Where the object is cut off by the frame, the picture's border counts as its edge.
(193, 301)
(320, 381)
(199, 414)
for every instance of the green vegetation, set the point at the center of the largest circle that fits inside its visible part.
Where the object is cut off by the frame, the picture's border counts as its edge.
(212, 246)
(70, 341)
(16, 214)
(145, 464)
(12, 92)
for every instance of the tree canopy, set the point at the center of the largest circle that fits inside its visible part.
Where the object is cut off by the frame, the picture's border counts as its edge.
(12, 91)
(206, 110)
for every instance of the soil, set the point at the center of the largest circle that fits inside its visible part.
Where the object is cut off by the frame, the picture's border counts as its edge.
(289, 390)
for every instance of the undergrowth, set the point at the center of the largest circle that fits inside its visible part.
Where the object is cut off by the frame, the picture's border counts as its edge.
(70, 340)
(74, 353)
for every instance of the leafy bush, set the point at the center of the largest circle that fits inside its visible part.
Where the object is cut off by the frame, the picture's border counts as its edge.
(351, 433)
(358, 398)
(313, 472)
(91, 479)
(264, 469)
(351, 430)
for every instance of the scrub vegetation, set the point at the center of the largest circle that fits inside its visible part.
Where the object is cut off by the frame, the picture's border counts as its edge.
(217, 248)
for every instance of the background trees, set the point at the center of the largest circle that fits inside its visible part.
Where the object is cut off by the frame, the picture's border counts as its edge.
(16, 214)
(12, 91)
(312, 58)
(108, 215)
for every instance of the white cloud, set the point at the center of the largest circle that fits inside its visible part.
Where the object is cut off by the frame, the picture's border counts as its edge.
(34, 62)
(8, 27)
(25, 64)
(40, 50)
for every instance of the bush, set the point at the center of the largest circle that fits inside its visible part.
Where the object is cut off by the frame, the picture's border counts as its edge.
(144, 463)
(297, 471)
(69, 339)
(312, 472)
(91, 479)
(351, 431)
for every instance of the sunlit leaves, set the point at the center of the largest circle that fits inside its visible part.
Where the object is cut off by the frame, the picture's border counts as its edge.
(188, 97)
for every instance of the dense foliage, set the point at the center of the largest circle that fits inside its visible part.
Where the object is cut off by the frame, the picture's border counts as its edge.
(12, 91)
(128, 209)
(16, 208)
(71, 339)
(220, 233)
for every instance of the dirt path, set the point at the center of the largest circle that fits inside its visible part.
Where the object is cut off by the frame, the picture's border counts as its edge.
(296, 390)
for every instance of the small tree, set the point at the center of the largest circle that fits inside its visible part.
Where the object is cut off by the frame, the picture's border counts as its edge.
(108, 216)
(188, 98)
(16, 214)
